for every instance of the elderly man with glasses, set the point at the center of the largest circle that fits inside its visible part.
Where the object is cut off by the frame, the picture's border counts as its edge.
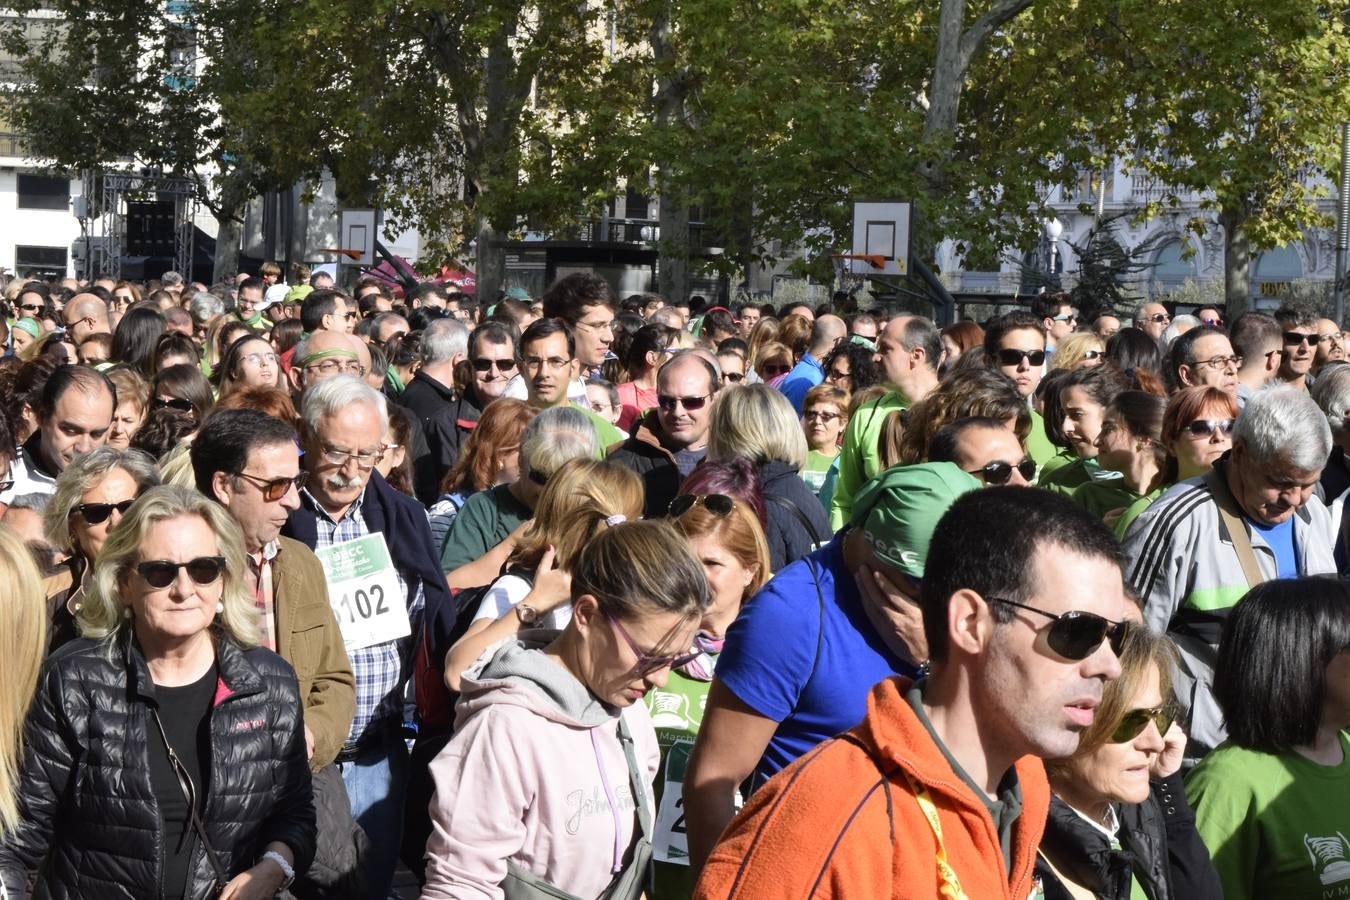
(381, 570)
(1203, 357)
(1152, 319)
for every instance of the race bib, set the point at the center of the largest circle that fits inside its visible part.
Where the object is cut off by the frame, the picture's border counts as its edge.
(670, 843)
(364, 591)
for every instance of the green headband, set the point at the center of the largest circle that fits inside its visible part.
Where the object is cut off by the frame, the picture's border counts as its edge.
(30, 325)
(335, 353)
(899, 509)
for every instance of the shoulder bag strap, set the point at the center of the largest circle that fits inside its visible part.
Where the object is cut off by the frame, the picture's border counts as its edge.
(190, 795)
(1231, 519)
(788, 504)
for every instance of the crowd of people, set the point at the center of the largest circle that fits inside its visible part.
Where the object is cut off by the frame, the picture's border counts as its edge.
(574, 596)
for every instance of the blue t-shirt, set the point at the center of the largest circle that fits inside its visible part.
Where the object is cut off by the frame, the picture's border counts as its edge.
(1280, 539)
(805, 375)
(770, 658)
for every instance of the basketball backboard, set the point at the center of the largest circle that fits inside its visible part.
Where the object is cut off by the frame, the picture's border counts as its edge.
(881, 233)
(357, 233)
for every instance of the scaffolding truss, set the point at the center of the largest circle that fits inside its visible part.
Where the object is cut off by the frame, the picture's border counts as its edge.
(118, 191)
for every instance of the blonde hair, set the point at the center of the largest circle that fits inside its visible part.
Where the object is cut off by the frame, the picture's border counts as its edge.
(573, 508)
(175, 467)
(82, 476)
(757, 422)
(23, 621)
(100, 617)
(739, 533)
(1069, 352)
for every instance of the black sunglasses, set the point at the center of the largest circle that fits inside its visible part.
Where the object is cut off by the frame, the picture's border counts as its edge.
(1076, 635)
(719, 505)
(733, 377)
(998, 471)
(93, 513)
(177, 403)
(1295, 338)
(1012, 357)
(1133, 723)
(160, 573)
(503, 365)
(691, 404)
(273, 489)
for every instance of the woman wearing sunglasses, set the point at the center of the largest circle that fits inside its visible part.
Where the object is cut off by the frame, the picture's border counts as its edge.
(180, 400)
(1129, 442)
(824, 416)
(166, 752)
(1119, 827)
(545, 789)
(92, 495)
(1272, 802)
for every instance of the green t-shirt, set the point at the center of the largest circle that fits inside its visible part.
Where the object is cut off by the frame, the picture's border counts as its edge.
(818, 465)
(486, 519)
(1039, 447)
(1101, 497)
(1066, 479)
(608, 432)
(1134, 509)
(1052, 465)
(676, 709)
(860, 457)
(1276, 824)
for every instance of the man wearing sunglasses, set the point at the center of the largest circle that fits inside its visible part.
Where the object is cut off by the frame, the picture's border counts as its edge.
(1015, 345)
(1056, 316)
(940, 788)
(826, 333)
(909, 351)
(1298, 326)
(74, 413)
(1152, 318)
(671, 440)
(1185, 553)
(344, 500)
(1203, 357)
(1256, 338)
(986, 448)
(798, 663)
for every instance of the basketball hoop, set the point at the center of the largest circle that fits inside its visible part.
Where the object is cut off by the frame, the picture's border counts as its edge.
(875, 260)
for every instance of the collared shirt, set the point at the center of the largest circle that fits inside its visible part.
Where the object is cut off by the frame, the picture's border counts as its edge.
(381, 670)
(264, 597)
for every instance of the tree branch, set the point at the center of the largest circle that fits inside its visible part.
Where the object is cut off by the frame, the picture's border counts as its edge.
(973, 38)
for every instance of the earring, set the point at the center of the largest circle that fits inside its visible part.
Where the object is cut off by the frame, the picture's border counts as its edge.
(220, 607)
(126, 612)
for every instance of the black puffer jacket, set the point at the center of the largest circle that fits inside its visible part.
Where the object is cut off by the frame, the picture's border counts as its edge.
(1159, 846)
(89, 817)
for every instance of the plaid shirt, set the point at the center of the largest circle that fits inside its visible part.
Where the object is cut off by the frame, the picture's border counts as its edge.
(264, 598)
(381, 670)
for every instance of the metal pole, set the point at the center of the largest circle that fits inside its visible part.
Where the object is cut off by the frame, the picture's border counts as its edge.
(1342, 225)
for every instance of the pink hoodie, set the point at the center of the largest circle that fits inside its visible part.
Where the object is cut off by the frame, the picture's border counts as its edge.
(529, 777)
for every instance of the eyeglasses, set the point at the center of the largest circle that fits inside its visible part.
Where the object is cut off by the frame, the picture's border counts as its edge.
(160, 573)
(94, 513)
(998, 471)
(1220, 362)
(1334, 336)
(553, 362)
(836, 375)
(257, 359)
(538, 477)
(331, 367)
(691, 404)
(1203, 428)
(1093, 354)
(349, 315)
(719, 505)
(503, 365)
(1269, 353)
(733, 377)
(1076, 635)
(595, 327)
(273, 489)
(1298, 338)
(1133, 723)
(177, 403)
(1069, 318)
(817, 415)
(87, 320)
(1212, 323)
(365, 459)
(646, 663)
(1012, 357)
(30, 307)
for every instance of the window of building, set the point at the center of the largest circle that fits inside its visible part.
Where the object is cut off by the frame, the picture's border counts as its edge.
(45, 262)
(43, 192)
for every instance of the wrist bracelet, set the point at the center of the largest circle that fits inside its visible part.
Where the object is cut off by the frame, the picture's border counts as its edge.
(287, 870)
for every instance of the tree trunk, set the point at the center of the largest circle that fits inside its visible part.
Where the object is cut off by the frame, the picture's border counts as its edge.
(1236, 263)
(673, 218)
(673, 263)
(490, 266)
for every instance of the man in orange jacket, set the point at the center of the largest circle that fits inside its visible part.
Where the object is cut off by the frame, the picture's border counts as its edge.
(940, 791)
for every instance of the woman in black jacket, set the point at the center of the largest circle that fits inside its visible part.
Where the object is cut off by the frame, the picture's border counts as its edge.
(757, 423)
(1119, 823)
(164, 752)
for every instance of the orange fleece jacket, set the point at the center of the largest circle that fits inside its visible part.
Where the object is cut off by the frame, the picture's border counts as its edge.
(842, 821)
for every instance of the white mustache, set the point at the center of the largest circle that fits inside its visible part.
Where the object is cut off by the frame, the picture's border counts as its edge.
(340, 483)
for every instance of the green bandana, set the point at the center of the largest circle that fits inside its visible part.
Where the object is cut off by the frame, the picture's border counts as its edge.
(30, 325)
(335, 353)
(899, 509)
(394, 381)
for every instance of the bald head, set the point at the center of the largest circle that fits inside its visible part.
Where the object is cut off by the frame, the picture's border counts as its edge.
(326, 354)
(826, 333)
(84, 315)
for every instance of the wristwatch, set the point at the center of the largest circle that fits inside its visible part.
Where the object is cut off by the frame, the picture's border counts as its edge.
(287, 869)
(527, 614)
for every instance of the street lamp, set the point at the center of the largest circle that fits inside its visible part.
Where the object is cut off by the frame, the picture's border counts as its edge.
(1053, 228)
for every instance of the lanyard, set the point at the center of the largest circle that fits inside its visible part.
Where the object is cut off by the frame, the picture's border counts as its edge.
(950, 888)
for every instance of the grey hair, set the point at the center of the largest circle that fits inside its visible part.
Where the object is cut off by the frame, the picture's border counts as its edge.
(36, 502)
(205, 306)
(1283, 424)
(555, 436)
(82, 475)
(171, 277)
(1174, 330)
(1332, 394)
(443, 340)
(331, 395)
